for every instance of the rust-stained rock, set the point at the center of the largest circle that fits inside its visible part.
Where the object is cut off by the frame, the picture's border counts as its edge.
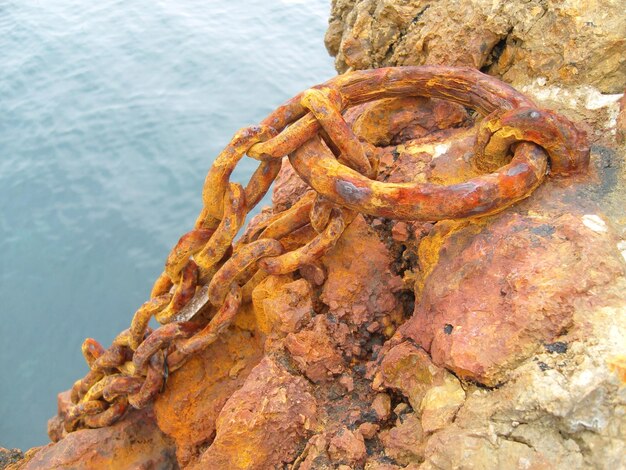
(282, 305)
(133, 442)
(408, 369)
(392, 121)
(264, 422)
(382, 406)
(487, 343)
(368, 430)
(56, 431)
(509, 279)
(360, 285)
(400, 232)
(288, 188)
(404, 442)
(194, 396)
(569, 42)
(433, 392)
(314, 352)
(347, 447)
(315, 455)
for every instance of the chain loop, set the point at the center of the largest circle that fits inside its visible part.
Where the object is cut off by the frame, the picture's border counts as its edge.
(566, 146)
(245, 257)
(234, 217)
(217, 179)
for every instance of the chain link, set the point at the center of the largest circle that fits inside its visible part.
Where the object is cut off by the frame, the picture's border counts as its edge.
(208, 272)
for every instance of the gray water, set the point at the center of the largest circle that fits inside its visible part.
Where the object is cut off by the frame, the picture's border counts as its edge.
(111, 112)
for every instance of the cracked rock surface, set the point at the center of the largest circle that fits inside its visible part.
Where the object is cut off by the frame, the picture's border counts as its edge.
(567, 42)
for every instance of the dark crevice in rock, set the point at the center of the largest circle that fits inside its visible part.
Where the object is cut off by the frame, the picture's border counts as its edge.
(517, 439)
(407, 301)
(559, 347)
(419, 14)
(496, 52)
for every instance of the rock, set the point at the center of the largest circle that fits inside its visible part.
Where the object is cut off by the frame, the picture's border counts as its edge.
(314, 455)
(620, 123)
(263, 423)
(288, 187)
(347, 447)
(382, 406)
(403, 443)
(400, 232)
(441, 403)
(566, 410)
(10, 457)
(380, 465)
(133, 442)
(482, 319)
(368, 430)
(408, 369)
(360, 285)
(194, 396)
(563, 42)
(433, 392)
(478, 452)
(314, 352)
(495, 342)
(281, 305)
(348, 382)
(56, 430)
(392, 121)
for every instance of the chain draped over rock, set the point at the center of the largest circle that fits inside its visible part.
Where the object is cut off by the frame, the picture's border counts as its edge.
(208, 275)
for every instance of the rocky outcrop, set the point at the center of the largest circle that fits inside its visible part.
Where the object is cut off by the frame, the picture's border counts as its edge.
(565, 42)
(134, 442)
(488, 343)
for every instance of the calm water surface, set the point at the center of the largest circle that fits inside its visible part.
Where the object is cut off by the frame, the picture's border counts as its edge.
(111, 112)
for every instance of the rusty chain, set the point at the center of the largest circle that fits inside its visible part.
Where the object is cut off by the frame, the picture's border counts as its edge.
(208, 275)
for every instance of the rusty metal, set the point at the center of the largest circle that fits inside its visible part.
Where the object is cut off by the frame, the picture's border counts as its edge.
(566, 146)
(208, 271)
(229, 226)
(313, 250)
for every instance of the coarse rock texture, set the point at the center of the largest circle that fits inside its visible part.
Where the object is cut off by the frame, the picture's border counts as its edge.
(264, 423)
(135, 442)
(360, 285)
(567, 42)
(489, 343)
(516, 264)
(189, 407)
(10, 456)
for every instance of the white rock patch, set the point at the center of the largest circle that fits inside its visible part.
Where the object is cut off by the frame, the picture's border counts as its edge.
(621, 246)
(441, 149)
(594, 222)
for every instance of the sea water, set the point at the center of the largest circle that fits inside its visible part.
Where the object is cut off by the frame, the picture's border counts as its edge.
(111, 113)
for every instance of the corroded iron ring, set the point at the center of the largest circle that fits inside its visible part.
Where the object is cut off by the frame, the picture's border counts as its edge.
(482, 195)
(566, 145)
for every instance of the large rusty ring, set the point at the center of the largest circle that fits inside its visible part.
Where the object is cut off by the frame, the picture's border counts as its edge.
(482, 195)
